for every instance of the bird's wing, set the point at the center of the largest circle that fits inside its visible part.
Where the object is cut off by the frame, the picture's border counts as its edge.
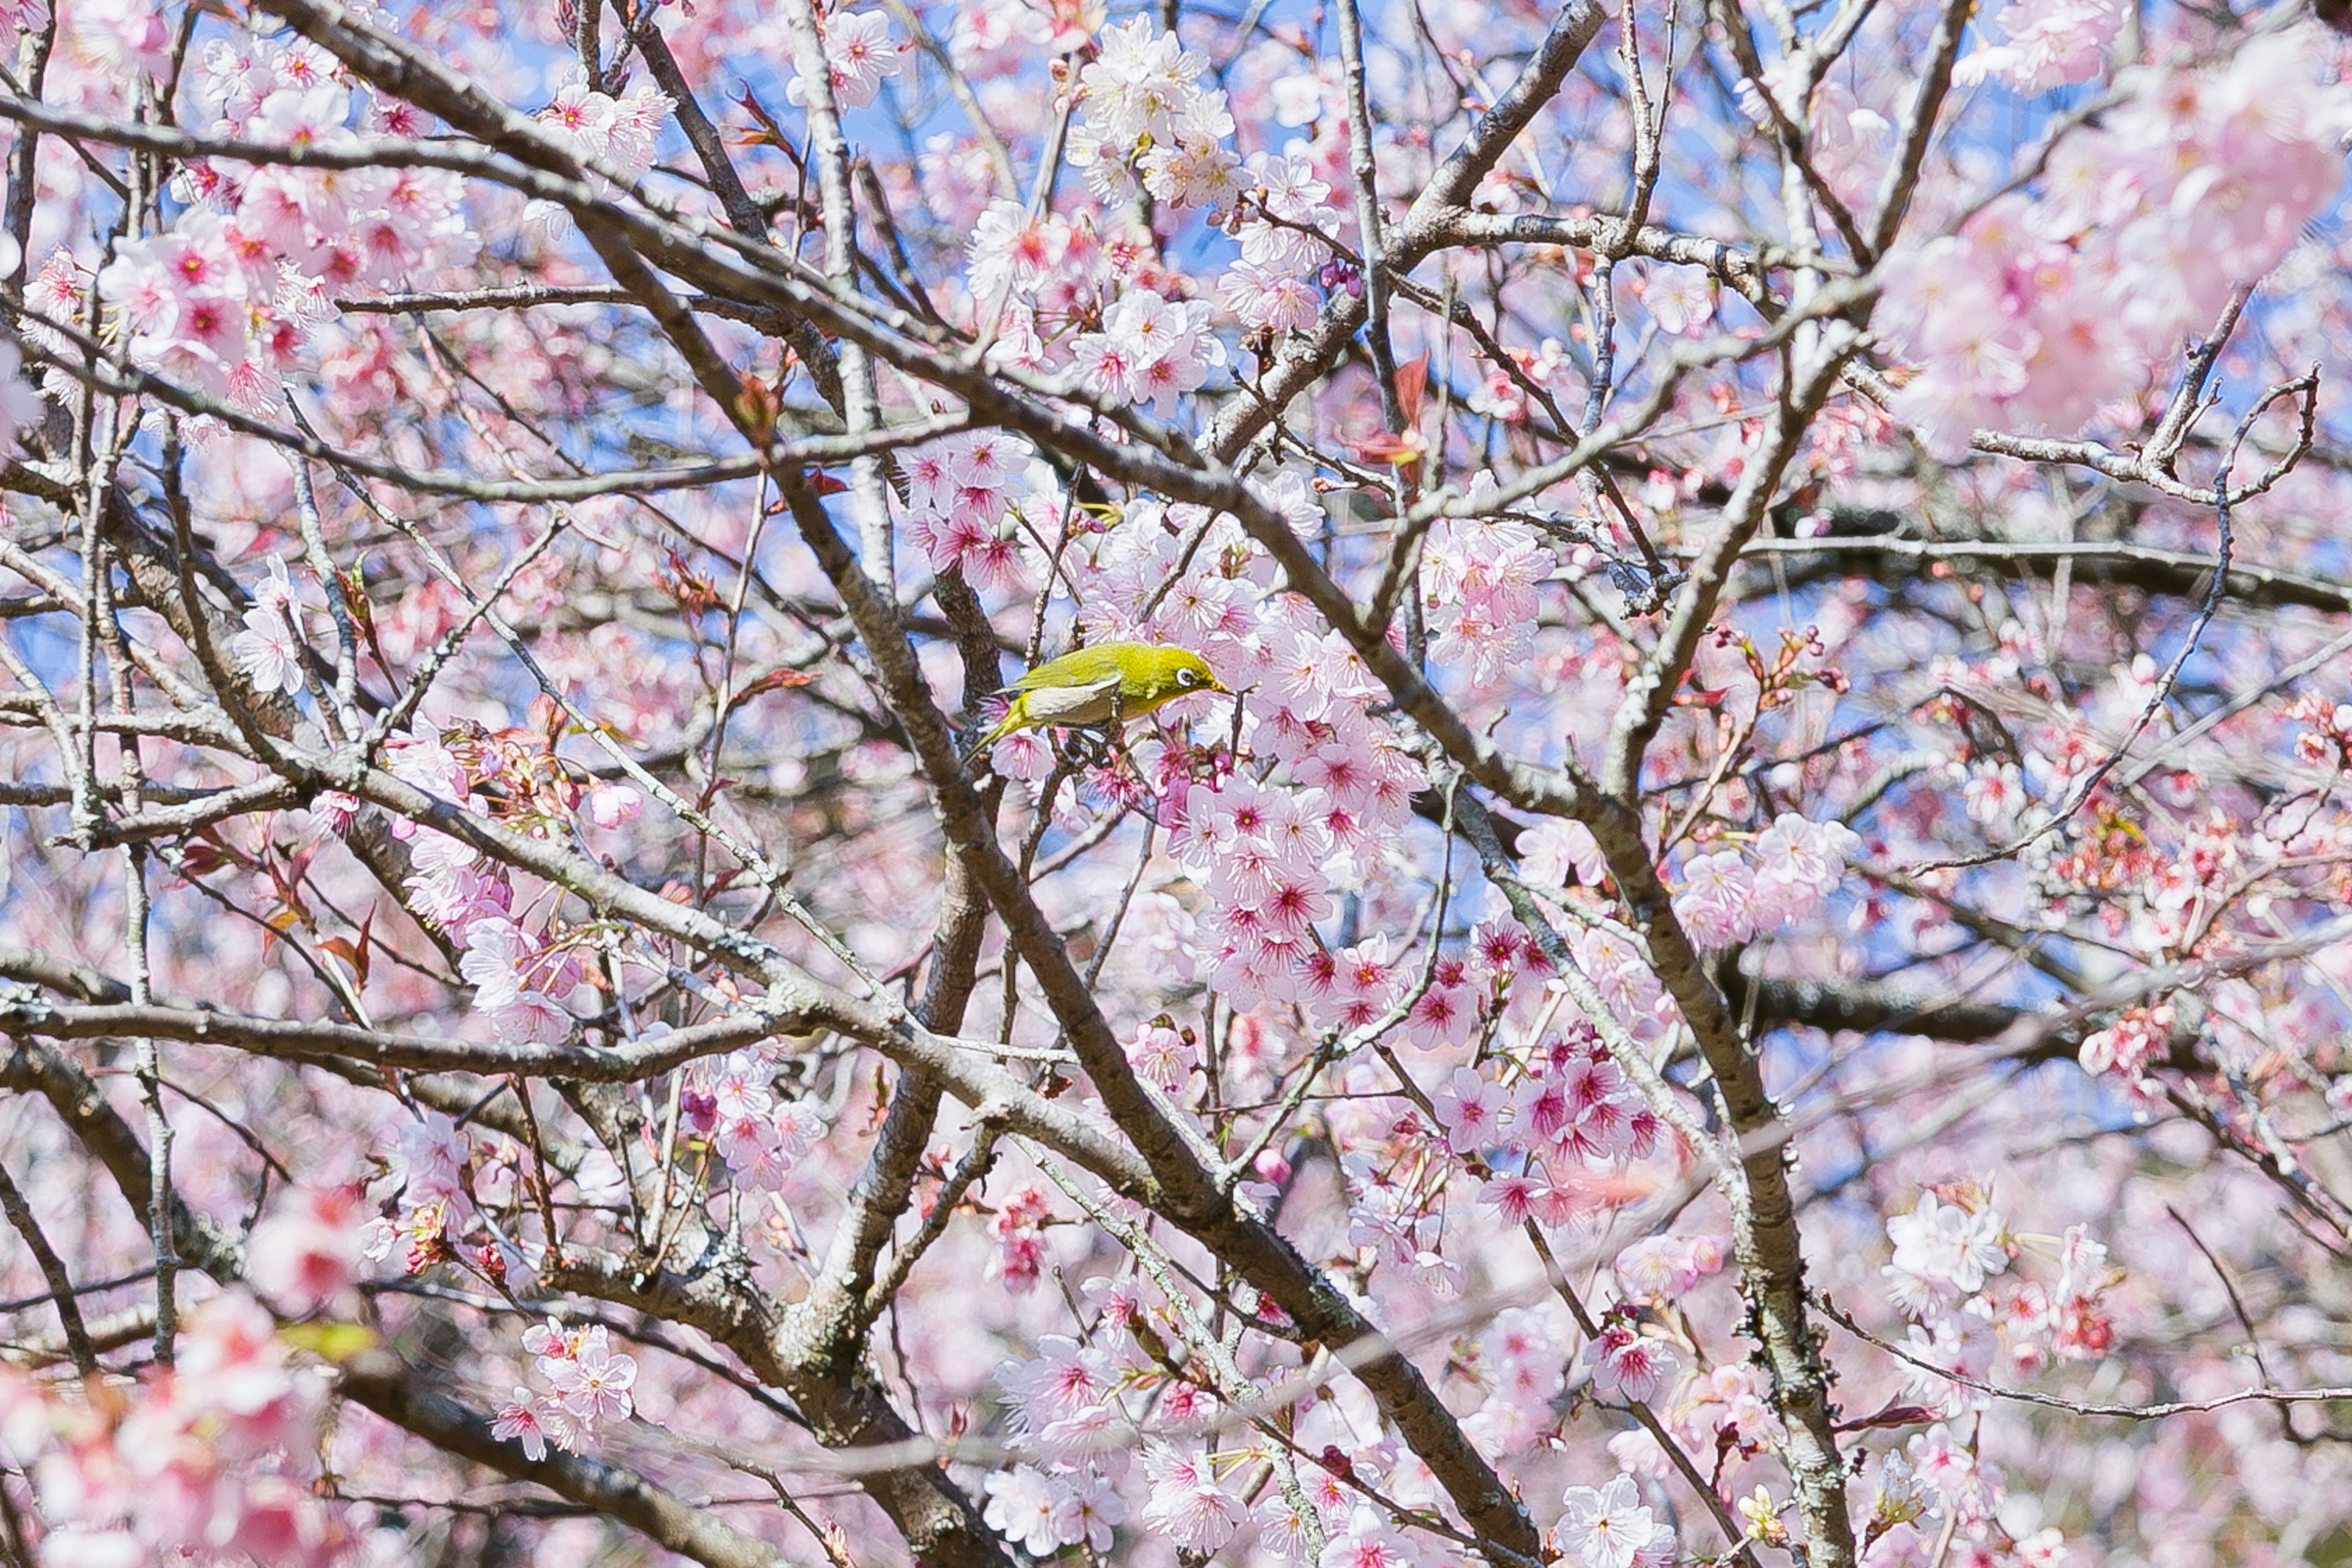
(1081, 667)
(1089, 704)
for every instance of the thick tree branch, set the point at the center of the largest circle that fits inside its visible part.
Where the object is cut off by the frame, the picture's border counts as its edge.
(382, 1382)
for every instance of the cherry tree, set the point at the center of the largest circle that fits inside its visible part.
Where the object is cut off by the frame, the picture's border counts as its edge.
(1750, 968)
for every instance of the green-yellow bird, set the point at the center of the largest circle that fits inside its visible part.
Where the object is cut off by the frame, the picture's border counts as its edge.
(1108, 683)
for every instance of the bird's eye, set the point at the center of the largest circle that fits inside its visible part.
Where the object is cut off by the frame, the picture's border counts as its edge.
(1188, 677)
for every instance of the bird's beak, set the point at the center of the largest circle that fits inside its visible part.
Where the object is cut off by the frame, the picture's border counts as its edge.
(1216, 685)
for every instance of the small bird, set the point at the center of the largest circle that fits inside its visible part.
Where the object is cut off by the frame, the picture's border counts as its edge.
(1108, 683)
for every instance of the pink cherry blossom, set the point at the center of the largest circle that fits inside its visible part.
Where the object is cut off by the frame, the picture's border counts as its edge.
(2049, 43)
(1472, 1109)
(1745, 862)
(859, 53)
(1605, 1526)
(1632, 1364)
(518, 1421)
(1947, 1244)
(594, 1382)
(1187, 1501)
(1021, 1507)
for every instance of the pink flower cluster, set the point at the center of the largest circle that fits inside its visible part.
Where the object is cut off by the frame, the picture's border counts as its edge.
(588, 1384)
(1370, 1541)
(1616, 963)
(2139, 1037)
(442, 1185)
(1478, 593)
(1501, 396)
(730, 1100)
(1020, 1231)
(993, 38)
(1063, 298)
(967, 497)
(303, 1259)
(1568, 1113)
(1060, 269)
(1354, 987)
(2045, 308)
(519, 979)
(1041, 1512)
(1188, 1502)
(429, 1169)
(2048, 42)
(1066, 1403)
(1078, 1413)
(1262, 851)
(1949, 1252)
(1058, 1394)
(1661, 1269)
(1396, 1212)
(1056, 296)
(207, 304)
(1938, 1498)
(1943, 1251)
(859, 53)
(1627, 1362)
(227, 301)
(618, 133)
(522, 974)
(1143, 107)
(1279, 227)
(211, 1462)
(1710, 1409)
(1520, 1364)
(117, 44)
(1554, 849)
(1728, 897)
(1270, 852)
(269, 648)
(2066, 1320)
(1151, 350)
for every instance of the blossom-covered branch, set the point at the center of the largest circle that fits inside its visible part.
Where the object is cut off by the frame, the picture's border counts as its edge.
(1362, 786)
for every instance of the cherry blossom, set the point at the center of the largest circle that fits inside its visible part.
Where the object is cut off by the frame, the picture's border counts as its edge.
(2048, 42)
(1605, 1526)
(1187, 1501)
(1021, 1508)
(1745, 867)
(858, 53)
(269, 651)
(304, 1255)
(519, 1421)
(1634, 1364)
(214, 1463)
(1947, 1244)
(595, 1381)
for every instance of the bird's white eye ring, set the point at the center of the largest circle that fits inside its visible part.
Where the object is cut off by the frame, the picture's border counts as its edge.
(1188, 677)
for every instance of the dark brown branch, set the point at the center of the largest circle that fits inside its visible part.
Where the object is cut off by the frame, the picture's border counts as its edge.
(53, 1271)
(1313, 354)
(382, 1382)
(1190, 1195)
(817, 357)
(2174, 573)
(2083, 1407)
(33, 1068)
(1918, 130)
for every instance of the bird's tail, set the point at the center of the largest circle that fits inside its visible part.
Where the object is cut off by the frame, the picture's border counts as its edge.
(1004, 726)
